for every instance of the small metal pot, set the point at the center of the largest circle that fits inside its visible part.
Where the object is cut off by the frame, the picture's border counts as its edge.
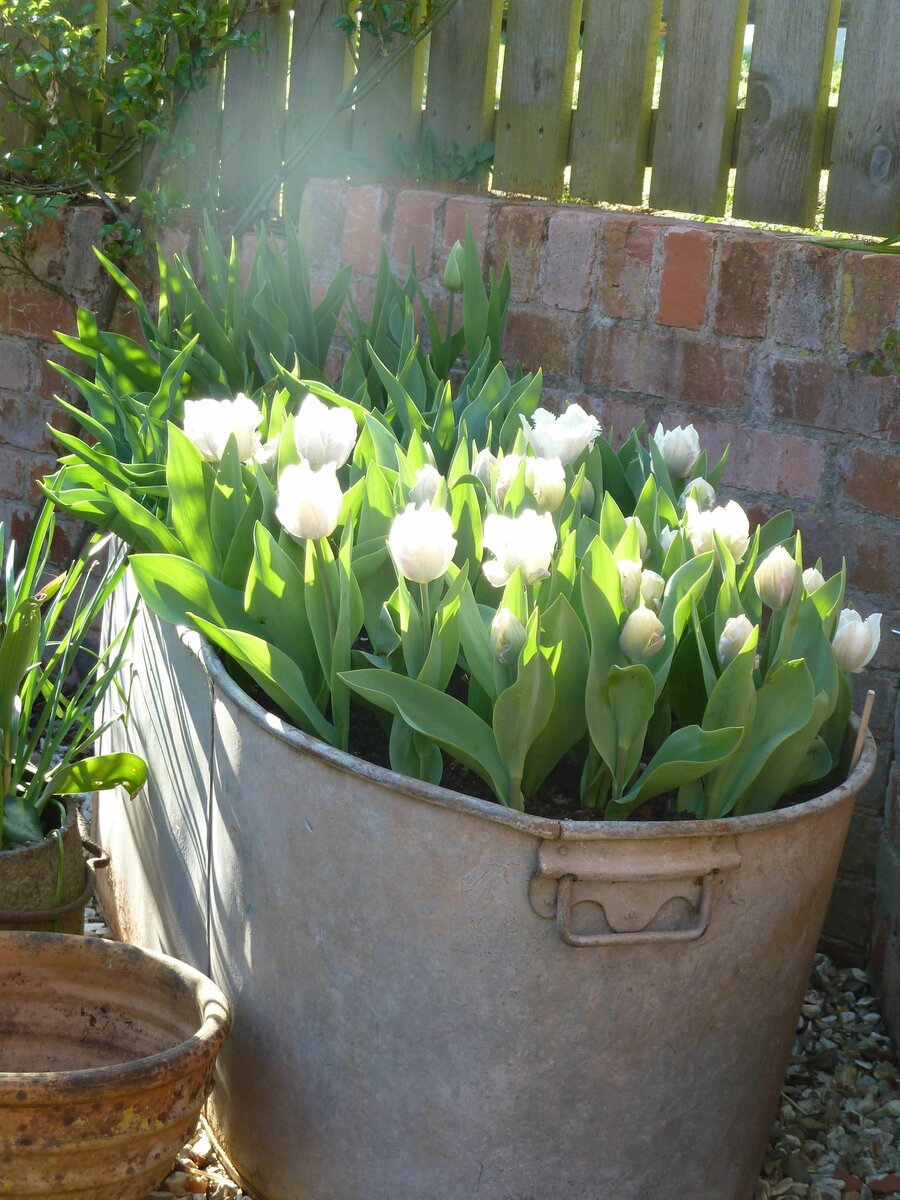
(106, 1057)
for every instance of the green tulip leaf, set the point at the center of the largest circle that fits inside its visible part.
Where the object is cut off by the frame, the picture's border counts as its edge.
(99, 773)
(688, 754)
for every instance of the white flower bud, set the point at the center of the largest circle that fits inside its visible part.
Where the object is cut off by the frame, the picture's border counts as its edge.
(482, 467)
(856, 640)
(642, 534)
(210, 423)
(813, 579)
(588, 496)
(526, 541)
(507, 636)
(667, 536)
(421, 543)
(642, 635)
(507, 470)
(324, 435)
(680, 448)
(309, 502)
(729, 522)
(653, 587)
(545, 478)
(630, 579)
(774, 577)
(701, 491)
(428, 480)
(453, 272)
(734, 638)
(564, 437)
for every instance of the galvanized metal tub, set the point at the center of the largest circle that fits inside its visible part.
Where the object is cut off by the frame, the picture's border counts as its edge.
(106, 1057)
(438, 997)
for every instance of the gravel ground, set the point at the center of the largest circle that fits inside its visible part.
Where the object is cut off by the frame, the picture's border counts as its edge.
(837, 1134)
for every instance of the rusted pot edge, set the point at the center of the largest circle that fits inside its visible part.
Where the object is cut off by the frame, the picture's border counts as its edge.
(497, 813)
(33, 849)
(185, 1057)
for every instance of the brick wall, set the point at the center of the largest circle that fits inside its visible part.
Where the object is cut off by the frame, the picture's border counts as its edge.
(745, 334)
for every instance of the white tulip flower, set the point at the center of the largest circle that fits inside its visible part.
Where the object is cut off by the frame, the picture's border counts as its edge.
(774, 577)
(667, 536)
(324, 435)
(729, 522)
(545, 478)
(508, 467)
(734, 637)
(642, 635)
(680, 448)
(309, 502)
(813, 579)
(701, 491)
(564, 437)
(507, 636)
(428, 480)
(482, 467)
(653, 588)
(856, 640)
(210, 423)
(642, 534)
(630, 579)
(421, 543)
(526, 541)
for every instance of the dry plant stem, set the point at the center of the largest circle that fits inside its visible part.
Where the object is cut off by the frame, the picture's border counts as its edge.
(863, 726)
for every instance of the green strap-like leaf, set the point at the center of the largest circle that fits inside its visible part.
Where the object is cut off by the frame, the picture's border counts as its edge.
(686, 755)
(99, 773)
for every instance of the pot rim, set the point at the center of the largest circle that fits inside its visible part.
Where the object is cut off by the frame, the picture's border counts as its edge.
(48, 844)
(35, 1088)
(543, 827)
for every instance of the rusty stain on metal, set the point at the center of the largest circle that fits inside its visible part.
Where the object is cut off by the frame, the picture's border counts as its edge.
(106, 1057)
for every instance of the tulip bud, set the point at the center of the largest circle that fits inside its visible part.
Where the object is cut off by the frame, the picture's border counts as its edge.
(546, 480)
(482, 467)
(524, 542)
(324, 435)
(453, 272)
(734, 638)
(507, 470)
(421, 543)
(667, 536)
(642, 535)
(729, 522)
(704, 493)
(774, 577)
(588, 496)
(813, 579)
(428, 480)
(856, 640)
(630, 579)
(653, 588)
(507, 636)
(564, 437)
(680, 448)
(210, 423)
(642, 635)
(309, 502)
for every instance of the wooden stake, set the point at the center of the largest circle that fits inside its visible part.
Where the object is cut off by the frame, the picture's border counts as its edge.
(863, 726)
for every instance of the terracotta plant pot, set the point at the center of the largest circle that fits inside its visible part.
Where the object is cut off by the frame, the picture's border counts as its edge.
(28, 882)
(106, 1057)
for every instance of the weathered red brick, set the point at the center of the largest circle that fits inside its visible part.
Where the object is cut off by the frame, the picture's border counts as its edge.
(39, 466)
(362, 292)
(472, 210)
(806, 276)
(35, 312)
(321, 223)
(537, 340)
(23, 422)
(568, 260)
(872, 554)
(775, 463)
(825, 396)
(656, 363)
(12, 473)
(626, 255)
(686, 274)
(870, 295)
(20, 520)
(364, 215)
(16, 364)
(872, 480)
(415, 216)
(519, 240)
(745, 280)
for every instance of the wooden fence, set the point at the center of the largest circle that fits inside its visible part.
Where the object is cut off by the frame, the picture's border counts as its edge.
(571, 94)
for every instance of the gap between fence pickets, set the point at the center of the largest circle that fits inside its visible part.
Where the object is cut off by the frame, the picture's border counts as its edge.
(863, 726)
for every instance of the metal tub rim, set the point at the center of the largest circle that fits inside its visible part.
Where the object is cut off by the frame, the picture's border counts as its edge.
(541, 827)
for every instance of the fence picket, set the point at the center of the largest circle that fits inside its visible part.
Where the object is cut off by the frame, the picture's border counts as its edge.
(320, 69)
(536, 96)
(389, 120)
(612, 122)
(782, 135)
(697, 105)
(864, 179)
(254, 106)
(462, 74)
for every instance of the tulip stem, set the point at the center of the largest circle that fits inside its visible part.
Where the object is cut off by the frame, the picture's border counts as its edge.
(426, 621)
(450, 308)
(326, 584)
